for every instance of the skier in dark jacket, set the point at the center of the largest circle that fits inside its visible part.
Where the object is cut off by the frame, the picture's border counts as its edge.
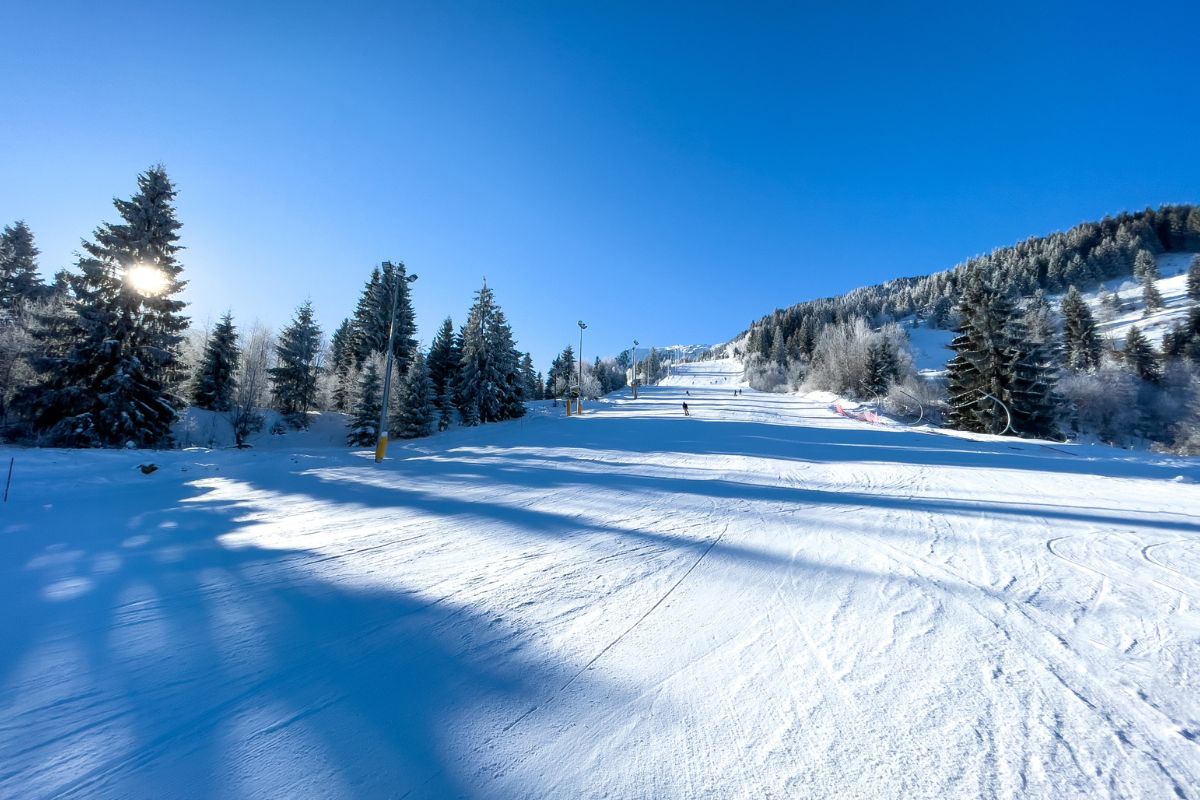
(685, 411)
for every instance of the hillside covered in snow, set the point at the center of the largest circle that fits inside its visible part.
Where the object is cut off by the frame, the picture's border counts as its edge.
(761, 599)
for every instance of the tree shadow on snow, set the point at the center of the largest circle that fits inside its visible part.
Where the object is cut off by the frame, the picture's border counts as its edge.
(143, 658)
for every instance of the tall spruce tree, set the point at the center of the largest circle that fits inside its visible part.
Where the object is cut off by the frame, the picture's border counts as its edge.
(529, 381)
(1145, 265)
(215, 380)
(415, 411)
(881, 369)
(490, 379)
(341, 364)
(1140, 356)
(1032, 373)
(444, 366)
(1150, 295)
(20, 282)
(363, 430)
(998, 366)
(388, 285)
(107, 358)
(294, 378)
(1080, 343)
(1193, 279)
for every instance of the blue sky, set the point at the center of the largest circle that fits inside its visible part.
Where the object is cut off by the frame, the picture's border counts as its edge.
(664, 171)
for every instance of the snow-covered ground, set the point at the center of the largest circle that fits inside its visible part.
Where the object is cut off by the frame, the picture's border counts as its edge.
(1172, 285)
(761, 600)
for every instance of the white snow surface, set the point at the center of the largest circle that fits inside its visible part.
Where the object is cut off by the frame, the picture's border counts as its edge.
(1172, 285)
(762, 600)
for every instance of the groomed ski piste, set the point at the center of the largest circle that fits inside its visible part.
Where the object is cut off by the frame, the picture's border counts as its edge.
(763, 600)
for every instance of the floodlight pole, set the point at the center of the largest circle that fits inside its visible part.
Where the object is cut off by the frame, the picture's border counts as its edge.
(579, 405)
(381, 446)
(635, 347)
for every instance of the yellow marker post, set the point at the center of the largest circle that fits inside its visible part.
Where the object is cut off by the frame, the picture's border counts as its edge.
(568, 406)
(381, 448)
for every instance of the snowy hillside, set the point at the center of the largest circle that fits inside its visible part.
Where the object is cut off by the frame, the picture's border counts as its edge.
(762, 600)
(1112, 326)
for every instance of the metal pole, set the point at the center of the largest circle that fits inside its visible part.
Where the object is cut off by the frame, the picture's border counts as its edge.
(635, 347)
(579, 406)
(8, 483)
(381, 446)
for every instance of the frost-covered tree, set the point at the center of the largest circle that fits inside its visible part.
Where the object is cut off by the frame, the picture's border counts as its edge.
(1139, 355)
(529, 381)
(252, 381)
(388, 285)
(363, 430)
(106, 362)
(1080, 343)
(1150, 295)
(294, 378)
(216, 378)
(993, 369)
(415, 412)
(20, 281)
(490, 387)
(1193, 279)
(881, 369)
(444, 365)
(562, 374)
(1144, 265)
(341, 364)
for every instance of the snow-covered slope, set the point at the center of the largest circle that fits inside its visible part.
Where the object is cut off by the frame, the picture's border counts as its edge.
(1172, 285)
(762, 600)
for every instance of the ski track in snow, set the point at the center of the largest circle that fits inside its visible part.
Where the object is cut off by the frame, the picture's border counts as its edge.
(763, 600)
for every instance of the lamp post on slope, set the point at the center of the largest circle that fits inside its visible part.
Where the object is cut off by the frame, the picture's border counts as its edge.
(381, 447)
(582, 326)
(635, 347)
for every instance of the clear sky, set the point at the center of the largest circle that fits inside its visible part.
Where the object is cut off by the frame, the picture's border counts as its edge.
(664, 171)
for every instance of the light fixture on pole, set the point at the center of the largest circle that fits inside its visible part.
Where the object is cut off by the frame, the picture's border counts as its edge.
(635, 347)
(579, 406)
(381, 446)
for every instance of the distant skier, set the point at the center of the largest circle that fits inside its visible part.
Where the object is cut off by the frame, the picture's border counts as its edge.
(685, 411)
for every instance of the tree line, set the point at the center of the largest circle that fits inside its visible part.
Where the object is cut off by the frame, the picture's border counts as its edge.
(101, 357)
(1022, 363)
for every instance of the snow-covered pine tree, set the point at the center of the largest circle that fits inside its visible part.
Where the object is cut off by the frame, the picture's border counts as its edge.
(1144, 264)
(444, 365)
(981, 363)
(369, 329)
(529, 379)
(1030, 391)
(1193, 279)
(602, 376)
(107, 358)
(1140, 356)
(363, 430)
(373, 315)
(215, 379)
(881, 369)
(490, 379)
(565, 378)
(508, 363)
(20, 282)
(1080, 343)
(146, 245)
(341, 363)
(294, 378)
(540, 387)
(1150, 295)
(415, 412)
